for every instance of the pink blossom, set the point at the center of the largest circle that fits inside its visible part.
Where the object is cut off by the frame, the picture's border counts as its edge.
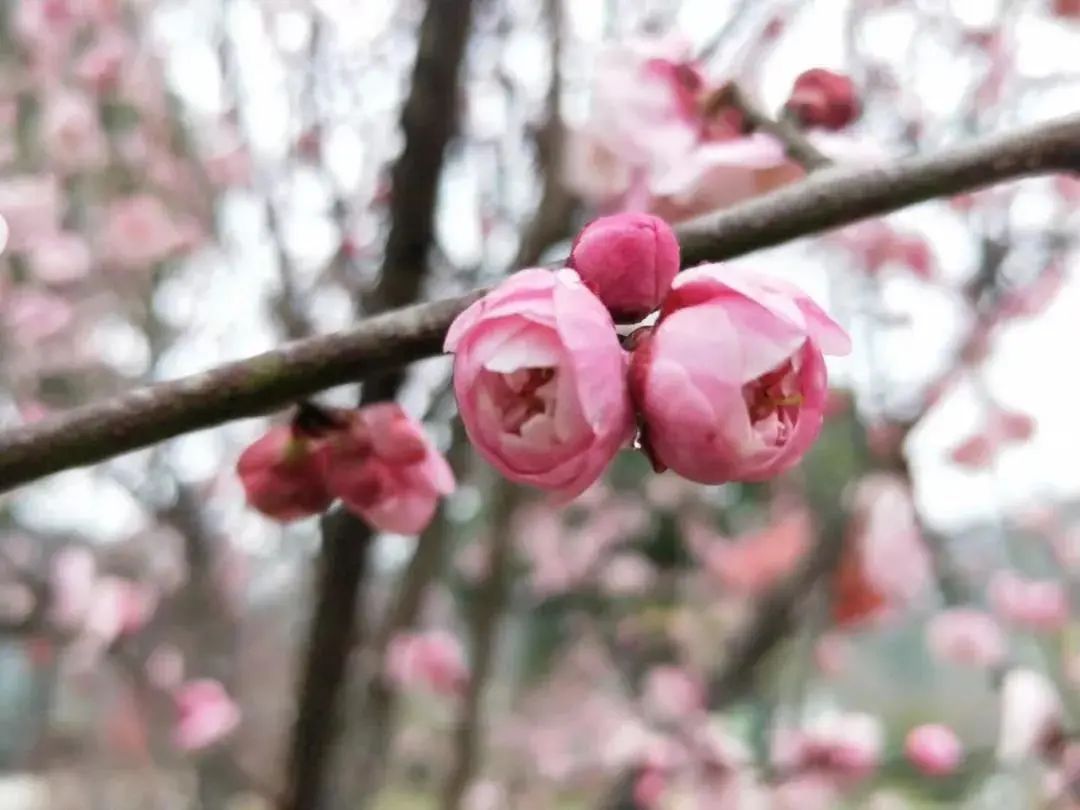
(731, 383)
(1035, 297)
(822, 98)
(119, 607)
(1038, 605)
(976, 452)
(671, 694)
(844, 746)
(755, 561)
(627, 575)
(165, 666)
(30, 206)
(32, 315)
(1031, 715)
(967, 637)
(540, 381)
(385, 469)
(629, 261)
(99, 67)
(934, 749)
(140, 232)
(1012, 426)
(1066, 9)
(282, 475)
(71, 584)
(59, 258)
(432, 660)
(877, 246)
(891, 546)
(205, 714)
(72, 133)
(229, 166)
(649, 788)
(832, 654)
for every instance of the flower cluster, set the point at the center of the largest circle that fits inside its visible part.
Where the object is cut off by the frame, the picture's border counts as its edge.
(376, 460)
(728, 384)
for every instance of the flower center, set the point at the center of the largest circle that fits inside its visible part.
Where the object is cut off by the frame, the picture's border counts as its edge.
(525, 397)
(772, 403)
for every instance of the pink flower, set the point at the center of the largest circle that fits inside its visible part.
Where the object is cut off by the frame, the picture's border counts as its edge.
(671, 694)
(432, 660)
(649, 788)
(1067, 9)
(140, 232)
(845, 747)
(34, 315)
(967, 637)
(821, 98)
(72, 133)
(59, 258)
(934, 750)
(71, 585)
(540, 381)
(205, 714)
(627, 575)
(1012, 426)
(629, 261)
(1038, 605)
(1031, 715)
(282, 475)
(385, 469)
(753, 562)
(30, 206)
(976, 452)
(731, 382)
(99, 67)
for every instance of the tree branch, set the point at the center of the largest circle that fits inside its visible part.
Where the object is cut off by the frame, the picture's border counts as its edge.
(829, 199)
(798, 147)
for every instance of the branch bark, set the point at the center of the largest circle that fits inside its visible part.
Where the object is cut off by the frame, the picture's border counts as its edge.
(428, 123)
(829, 199)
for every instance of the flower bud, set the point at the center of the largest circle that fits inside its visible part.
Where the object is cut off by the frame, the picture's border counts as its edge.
(282, 476)
(934, 750)
(821, 98)
(629, 261)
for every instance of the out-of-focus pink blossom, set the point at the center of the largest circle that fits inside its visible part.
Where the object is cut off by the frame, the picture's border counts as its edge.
(30, 207)
(731, 382)
(1012, 426)
(671, 694)
(755, 561)
(934, 749)
(99, 67)
(206, 715)
(119, 607)
(629, 261)
(229, 167)
(891, 547)
(139, 232)
(976, 452)
(431, 660)
(72, 133)
(832, 653)
(1031, 715)
(627, 575)
(384, 468)
(540, 381)
(33, 315)
(71, 585)
(876, 245)
(649, 788)
(822, 98)
(1066, 9)
(967, 637)
(1038, 605)
(843, 746)
(282, 475)
(165, 667)
(1034, 298)
(59, 258)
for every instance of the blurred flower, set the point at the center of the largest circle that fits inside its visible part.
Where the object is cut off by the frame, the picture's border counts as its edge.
(934, 750)
(975, 453)
(822, 98)
(540, 381)
(1031, 715)
(629, 261)
(1066, 9)
(140, 232)
(205, 715)
(731, 383)
(831, 654)
(385, 469)
(966, 637)
(753, 562)
(99, 67)
(71, 132)
(71, 586)
(30, 206)
(627, 575)
(671, 694)
(432, 660)
(59, 258)
(32, 315)
(1038, 605)
(165, 667)
(842, 746)
(876, 245)
(282, 475)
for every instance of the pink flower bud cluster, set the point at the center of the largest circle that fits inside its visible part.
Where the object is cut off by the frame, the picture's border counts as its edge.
(376, 460)
(728, 384)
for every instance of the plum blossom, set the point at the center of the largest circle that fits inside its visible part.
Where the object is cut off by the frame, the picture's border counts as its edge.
(540, 381)
(282, 475)
(71, 582)
(206, 714)
(822, 98)
(72, 133)
(753, 562)
(1031, 715)
(139, 232)
(32, 315)
(432, 660)
(671, 694)
(731, 382)
(934, 749)
(59, 258)
(843, 746)
(1038, 605)
(629, 261)
(30, 205)
(967, 637)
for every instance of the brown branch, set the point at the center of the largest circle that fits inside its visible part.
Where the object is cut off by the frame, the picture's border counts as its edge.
(798, 147)
(428, 122)
(269, 381)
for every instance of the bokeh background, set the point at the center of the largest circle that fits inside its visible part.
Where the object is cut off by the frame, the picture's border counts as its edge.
(184, 182)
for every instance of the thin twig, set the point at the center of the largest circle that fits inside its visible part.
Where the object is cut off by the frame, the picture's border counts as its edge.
(271, 380)
(798, 147)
